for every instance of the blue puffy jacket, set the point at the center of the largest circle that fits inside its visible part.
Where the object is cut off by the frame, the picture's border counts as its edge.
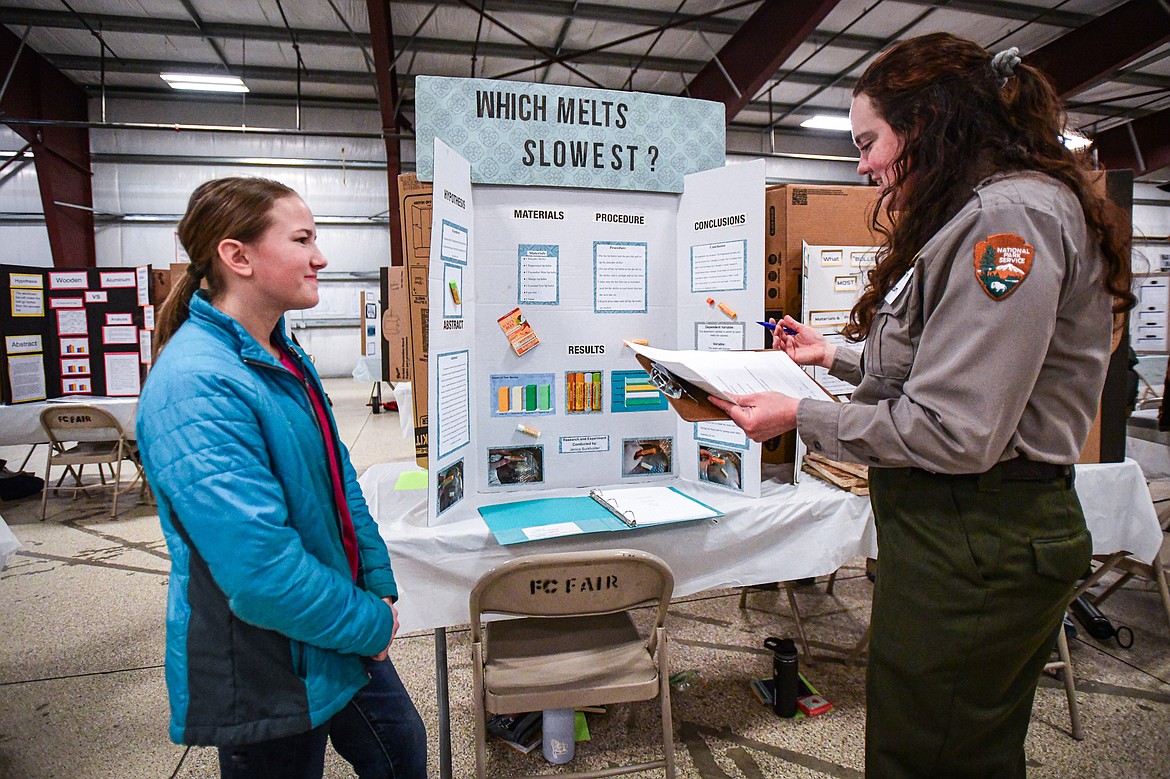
(265, 627)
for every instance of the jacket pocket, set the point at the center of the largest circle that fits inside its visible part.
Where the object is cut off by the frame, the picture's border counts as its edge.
(890, 351)
(1063, 559)
(298, 658)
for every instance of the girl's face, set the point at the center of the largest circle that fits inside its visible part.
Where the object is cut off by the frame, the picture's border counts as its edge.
(285, 259)
(878, 143)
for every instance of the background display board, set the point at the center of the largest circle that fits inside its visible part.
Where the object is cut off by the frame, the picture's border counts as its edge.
(1148, 321)
(83, 331)
(533, 292)
(834, 278)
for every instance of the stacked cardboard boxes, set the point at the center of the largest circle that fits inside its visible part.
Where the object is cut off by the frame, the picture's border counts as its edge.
(816, 214)
(415, 205)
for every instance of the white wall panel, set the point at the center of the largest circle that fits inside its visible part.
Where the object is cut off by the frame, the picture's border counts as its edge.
(335, 351)
(25, 245)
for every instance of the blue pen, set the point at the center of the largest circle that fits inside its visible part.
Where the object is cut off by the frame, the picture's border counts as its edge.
(772, 326)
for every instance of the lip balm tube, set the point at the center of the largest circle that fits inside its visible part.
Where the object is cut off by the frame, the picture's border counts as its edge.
(726, 309)
(522, 428)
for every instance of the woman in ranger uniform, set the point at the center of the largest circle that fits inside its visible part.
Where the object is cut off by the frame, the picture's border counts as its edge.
(987, 324)
(280, 607)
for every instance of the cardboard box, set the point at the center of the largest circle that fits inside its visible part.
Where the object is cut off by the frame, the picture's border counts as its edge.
(396, 324)
(415, 206)
(815, 214)
(160, 284)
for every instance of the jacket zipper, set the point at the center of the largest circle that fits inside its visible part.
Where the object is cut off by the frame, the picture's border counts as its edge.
(304, 382)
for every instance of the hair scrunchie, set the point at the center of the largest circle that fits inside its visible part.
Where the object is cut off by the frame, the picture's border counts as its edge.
(1003, 64)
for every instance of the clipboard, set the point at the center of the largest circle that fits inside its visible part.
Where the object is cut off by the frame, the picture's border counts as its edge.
(689, 401)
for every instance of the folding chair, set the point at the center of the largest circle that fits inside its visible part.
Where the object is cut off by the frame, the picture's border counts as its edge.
(1129, 567)
(576, 645)
(82, 435)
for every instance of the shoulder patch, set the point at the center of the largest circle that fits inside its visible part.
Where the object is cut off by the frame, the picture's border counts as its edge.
(1002, 262)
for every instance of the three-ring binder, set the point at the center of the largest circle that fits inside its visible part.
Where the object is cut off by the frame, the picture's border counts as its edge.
(611, 504)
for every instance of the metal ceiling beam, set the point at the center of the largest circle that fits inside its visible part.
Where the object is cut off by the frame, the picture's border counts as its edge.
(1142, 145)
(758, 48)
(180, 28)
(501, 50)
(599, 12)
(61, 154)
(1093, 53)
(1017, 11)
(184, 27)
(386, 76)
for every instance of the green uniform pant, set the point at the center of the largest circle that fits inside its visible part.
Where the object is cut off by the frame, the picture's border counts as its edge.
(974, 575)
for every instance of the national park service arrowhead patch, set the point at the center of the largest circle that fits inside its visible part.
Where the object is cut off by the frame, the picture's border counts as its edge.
(1002, 262)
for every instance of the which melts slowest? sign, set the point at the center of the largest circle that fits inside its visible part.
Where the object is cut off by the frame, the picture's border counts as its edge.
(559, 136)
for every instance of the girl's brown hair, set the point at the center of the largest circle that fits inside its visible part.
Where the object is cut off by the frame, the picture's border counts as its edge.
(961, 121)
(239, 208)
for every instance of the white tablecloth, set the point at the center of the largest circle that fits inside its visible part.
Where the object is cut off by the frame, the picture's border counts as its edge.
(20, 424)
(791, 532)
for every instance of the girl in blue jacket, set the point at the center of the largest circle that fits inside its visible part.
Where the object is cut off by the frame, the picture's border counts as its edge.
(280, 608)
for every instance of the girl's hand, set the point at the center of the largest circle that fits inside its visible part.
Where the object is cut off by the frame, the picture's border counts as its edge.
(386, 652)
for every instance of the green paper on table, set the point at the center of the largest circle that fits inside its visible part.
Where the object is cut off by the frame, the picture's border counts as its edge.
(580, 727)
(411, 480)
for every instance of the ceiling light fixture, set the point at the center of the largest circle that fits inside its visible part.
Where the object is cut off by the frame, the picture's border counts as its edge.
(201, 83)
(1074, 141)
(825, 122)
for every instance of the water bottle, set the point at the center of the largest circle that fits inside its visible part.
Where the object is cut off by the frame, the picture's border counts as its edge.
(559, 728)
(784, 675)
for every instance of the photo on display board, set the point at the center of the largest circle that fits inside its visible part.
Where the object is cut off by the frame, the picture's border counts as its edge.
(647, 457)
(515, 465)
(450, 486)
(720, 466)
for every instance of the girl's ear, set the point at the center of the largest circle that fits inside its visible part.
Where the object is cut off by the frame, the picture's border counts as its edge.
(234, 258)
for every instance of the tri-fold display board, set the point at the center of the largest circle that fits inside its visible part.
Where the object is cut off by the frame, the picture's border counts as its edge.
(84, 331)
(534, 290)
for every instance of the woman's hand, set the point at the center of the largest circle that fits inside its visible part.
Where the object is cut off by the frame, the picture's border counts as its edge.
(762, 415)
(386, 652)
(806, 347)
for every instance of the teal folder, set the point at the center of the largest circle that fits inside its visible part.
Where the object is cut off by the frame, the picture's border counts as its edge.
(509, 521)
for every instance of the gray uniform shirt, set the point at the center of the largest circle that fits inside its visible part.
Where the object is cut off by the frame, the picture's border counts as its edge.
(996, 347)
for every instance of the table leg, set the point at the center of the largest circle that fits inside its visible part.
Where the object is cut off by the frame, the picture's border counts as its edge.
(443, 700)
(27, 457)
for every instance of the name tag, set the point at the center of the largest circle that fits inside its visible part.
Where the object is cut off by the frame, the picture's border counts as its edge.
(896, 290)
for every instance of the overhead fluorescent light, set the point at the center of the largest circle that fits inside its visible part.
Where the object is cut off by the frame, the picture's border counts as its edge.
(201, 83)
(1074, 141)
(825, 122)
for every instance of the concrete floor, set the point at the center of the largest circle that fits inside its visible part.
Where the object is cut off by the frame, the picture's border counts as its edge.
(82, 638)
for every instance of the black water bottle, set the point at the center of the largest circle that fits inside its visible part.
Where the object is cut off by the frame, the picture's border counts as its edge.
(785, 673)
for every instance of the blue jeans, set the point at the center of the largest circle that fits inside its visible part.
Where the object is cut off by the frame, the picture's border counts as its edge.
(379, 732)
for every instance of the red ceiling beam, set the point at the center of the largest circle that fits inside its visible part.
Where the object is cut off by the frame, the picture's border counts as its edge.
(1116, 147)
(756, 51)
(382, 42)
(37, 90)
(1092, 53)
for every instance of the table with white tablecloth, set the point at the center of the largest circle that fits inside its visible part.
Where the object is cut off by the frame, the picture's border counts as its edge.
(790, 532)
(20, 423)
